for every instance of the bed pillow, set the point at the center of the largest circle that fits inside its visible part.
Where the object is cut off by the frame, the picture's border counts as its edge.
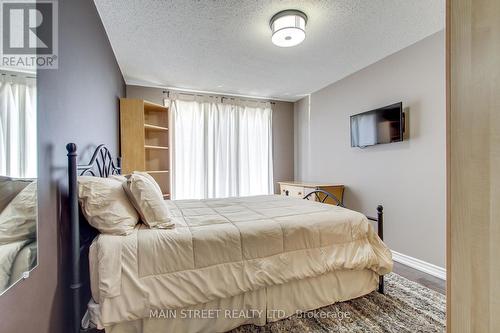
(18, 219)
(148, 201)
(151, 179)
(9, 188)
(105, 204)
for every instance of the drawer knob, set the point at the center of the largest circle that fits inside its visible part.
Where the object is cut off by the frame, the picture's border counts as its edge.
(287, 192)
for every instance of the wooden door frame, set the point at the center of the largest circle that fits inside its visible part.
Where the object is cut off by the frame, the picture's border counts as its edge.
(448, 159)
(472, 161)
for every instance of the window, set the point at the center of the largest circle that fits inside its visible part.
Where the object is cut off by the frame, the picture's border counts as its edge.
(18, 127)
(221, 149)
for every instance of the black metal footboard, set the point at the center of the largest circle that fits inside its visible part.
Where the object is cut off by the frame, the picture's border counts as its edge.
(322, 195)
(380, 231)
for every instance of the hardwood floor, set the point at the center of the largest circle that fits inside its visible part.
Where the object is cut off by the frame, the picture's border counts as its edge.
(424, 279)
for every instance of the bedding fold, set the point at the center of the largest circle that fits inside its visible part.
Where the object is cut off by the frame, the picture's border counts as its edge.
(225, 247)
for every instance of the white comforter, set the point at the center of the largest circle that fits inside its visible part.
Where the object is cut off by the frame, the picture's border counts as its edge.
(224, 247)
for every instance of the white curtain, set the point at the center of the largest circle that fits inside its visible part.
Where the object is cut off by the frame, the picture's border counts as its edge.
(364, 130)
(221, 149)
(18, 127)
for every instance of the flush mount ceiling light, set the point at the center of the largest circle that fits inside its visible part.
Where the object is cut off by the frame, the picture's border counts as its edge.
(288, 27)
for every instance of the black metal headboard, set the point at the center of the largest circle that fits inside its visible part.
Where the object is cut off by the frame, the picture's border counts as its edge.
(101, 164)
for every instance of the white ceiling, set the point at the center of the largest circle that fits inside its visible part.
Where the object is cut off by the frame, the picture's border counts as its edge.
(225, 46)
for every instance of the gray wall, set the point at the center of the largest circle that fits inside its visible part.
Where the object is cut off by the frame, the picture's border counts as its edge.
(283, 143)
(408, 178)
(76, 103)
(283, 139)
(301, 138)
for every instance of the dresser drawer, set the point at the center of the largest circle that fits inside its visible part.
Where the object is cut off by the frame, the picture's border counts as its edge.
(292, 191)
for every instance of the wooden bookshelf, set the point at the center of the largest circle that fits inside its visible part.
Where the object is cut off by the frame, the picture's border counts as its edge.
(155, 128)
(155, 147)
(145, 140)
(157, 171)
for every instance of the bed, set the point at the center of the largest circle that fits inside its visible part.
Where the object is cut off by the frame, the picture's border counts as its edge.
(228, 262)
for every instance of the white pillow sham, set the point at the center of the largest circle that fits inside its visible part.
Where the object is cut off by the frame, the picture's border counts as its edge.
(105, 204)
(9, 188)
(18, 219)
(145, 195)
(151, 179)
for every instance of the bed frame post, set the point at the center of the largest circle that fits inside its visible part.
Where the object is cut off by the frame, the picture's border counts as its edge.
(75, 236)
(380, 231)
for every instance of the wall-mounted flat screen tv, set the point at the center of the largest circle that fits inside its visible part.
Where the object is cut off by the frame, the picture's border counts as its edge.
(383, 125)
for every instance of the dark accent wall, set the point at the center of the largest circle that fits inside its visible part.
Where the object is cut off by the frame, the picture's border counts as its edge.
(76, 103)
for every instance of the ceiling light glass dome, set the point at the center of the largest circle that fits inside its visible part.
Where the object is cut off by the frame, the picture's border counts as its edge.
(288, 27)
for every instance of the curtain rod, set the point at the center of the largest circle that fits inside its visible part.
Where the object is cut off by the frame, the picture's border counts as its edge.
(16, 74)
(221, 97)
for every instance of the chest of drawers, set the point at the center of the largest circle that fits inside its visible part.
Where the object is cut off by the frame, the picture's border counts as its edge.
(300, 189)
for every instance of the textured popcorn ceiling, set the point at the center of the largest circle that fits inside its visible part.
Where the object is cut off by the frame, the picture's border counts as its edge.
(225, 45)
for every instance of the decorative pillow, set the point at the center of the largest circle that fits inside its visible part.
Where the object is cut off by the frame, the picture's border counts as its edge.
(105, 204)
(18, 219)
(148, 201)
(151, 179)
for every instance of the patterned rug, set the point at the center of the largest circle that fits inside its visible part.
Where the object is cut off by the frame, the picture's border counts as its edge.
(406, 307)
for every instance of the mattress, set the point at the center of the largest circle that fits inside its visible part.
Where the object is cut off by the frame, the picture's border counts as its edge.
(221, 248)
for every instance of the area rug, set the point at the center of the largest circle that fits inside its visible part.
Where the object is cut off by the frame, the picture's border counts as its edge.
(406, 307)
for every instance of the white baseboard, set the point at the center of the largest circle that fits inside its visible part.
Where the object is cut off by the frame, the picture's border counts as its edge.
(419, 265)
